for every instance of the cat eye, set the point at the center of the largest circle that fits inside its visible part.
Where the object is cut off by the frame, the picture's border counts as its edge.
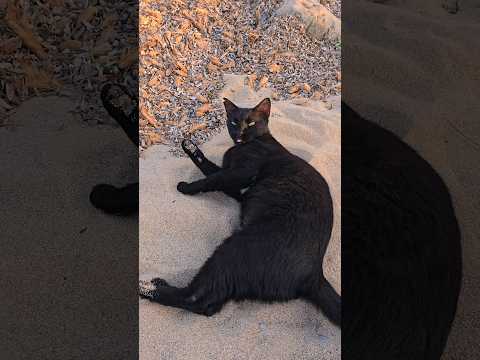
(233, 123)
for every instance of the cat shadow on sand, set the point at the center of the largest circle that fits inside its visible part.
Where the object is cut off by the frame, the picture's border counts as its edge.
(108, 198)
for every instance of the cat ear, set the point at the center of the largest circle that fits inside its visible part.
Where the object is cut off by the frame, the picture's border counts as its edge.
(264, 107)
(229, 106)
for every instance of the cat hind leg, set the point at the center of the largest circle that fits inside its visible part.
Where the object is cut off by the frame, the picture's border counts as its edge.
(210, 289)
(159, 291)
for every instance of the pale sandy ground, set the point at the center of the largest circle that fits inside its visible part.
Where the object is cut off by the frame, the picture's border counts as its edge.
(437, 114)
(54, 238)
(178, 233)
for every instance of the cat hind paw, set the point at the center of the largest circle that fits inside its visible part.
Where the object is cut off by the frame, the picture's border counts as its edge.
(146, 289)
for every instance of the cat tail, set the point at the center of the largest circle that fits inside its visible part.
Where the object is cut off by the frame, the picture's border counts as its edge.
(327, 300)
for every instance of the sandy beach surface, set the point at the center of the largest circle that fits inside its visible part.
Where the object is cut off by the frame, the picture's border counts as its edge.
(178, 233)
(60, 256)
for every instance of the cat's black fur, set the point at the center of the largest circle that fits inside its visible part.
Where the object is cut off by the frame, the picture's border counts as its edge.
(401, 255)
(109, 198)
(286, 224)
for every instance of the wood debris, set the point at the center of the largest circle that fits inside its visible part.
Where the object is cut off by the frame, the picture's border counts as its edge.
(20, 25)
(38, 79)
(275, 68)
(202, 110)
(187, 46)
(197, 127)
(263, 82)
(68, 48)
(147, 116)
(294, 89)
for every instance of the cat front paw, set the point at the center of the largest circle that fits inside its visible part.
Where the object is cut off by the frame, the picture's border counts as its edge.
(186, 188)
(192, 151)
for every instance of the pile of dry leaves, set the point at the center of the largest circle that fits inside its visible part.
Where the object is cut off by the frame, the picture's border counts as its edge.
(187, 45)
(73, 47)
(66, 47)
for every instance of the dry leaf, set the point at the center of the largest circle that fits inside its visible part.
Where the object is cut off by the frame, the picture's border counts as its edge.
(110, 20)
(20, 26)
(5, 105)
(153, 82)
(300, 101)
(252, 37)
(178, 81)
(202, 43)
(202, 98)
(36, 78)
(155, 138)
(215, 61)
(202, 110)
(197, 127)
(163, 104)
(294, 89)
(182, 73)
(263, 82)
(257, 17)
(228, 35)
(195, 23)
(71, 44)
(9, 46)
(182, 67)
(101, 49)
(87, 14)
(56, 3)
(251, 80)
(202, 12)
(147, 116)
(129, 58)
(229, 65)
(275, 68)
(287, 54)
(211, 68)
(339, 76)
(10, 92)
(153, 16)
(306, 87)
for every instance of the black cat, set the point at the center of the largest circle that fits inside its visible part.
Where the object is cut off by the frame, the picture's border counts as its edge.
(113, 200)
(286, 224)
(401, 255)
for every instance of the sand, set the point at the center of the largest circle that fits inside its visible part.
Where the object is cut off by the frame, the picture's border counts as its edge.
(420, 80)
(60, 256)
(178, 233)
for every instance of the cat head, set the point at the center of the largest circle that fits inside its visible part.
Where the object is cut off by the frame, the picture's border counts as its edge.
(245, 124)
